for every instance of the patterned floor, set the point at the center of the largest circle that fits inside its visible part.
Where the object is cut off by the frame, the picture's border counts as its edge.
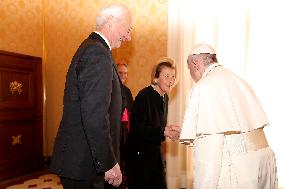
(46, 181)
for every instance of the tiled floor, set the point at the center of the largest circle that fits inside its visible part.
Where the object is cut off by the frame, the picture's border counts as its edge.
(46, 181)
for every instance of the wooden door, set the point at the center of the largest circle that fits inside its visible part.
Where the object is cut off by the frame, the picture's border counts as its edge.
(21, 117)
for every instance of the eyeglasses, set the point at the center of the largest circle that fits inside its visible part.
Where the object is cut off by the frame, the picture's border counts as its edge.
(168, 76)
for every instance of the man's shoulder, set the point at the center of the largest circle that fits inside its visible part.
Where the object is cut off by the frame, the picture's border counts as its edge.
(126, 88)
(93, 45)
(90, 49)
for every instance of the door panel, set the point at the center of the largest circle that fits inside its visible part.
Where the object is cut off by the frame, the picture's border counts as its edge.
(21, 95)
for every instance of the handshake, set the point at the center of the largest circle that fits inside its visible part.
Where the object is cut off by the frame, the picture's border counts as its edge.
(172, 132)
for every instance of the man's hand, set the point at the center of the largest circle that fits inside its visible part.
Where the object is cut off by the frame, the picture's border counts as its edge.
(114, 176)
(172, 132)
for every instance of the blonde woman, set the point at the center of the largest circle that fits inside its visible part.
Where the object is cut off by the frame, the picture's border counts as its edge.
(149, 129)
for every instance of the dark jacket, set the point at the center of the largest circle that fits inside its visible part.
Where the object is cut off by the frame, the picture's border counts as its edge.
(148, 120)
(87, 142)
(127, 98)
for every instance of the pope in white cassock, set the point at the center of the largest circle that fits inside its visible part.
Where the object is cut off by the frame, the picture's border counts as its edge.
(224, 122)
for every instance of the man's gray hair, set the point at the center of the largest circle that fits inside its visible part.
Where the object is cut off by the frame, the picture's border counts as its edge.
(113, 10)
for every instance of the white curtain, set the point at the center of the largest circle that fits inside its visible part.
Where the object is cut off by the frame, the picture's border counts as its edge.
(249, 39)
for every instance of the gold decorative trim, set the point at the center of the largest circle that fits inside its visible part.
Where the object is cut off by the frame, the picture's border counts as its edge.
(16, 86)
(16, 140)
(45, 131)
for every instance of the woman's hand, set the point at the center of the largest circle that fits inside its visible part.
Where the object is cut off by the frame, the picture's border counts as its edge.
(172, 132)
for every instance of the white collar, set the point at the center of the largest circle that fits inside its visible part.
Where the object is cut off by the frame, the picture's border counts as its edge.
(105, 39)
(209, 69)
(154, 87)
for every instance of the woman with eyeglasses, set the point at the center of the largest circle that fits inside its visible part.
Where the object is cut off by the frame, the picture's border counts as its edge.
(145, 167)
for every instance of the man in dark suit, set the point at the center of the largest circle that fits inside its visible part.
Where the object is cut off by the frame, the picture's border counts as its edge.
(122, 70)
(127, 101)
(86, 149)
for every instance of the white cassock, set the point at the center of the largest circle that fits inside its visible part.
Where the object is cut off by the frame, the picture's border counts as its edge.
(225, 119)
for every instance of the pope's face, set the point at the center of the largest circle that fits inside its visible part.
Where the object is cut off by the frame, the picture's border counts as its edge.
(192, 68)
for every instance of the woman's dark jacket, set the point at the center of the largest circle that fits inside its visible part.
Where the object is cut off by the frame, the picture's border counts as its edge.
(148, 121)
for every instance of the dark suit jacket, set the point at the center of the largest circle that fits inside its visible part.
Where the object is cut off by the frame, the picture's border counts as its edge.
(127, 98)
(87, 142)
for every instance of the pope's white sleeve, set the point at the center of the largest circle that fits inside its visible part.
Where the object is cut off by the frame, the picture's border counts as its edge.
(190, 120)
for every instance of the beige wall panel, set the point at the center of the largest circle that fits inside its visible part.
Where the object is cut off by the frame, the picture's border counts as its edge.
(21, 26)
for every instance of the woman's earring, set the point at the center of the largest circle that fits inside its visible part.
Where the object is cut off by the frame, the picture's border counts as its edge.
(155, 81)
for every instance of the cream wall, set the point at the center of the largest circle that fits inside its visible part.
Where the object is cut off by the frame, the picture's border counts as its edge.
(21, 26)
(64, 25)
